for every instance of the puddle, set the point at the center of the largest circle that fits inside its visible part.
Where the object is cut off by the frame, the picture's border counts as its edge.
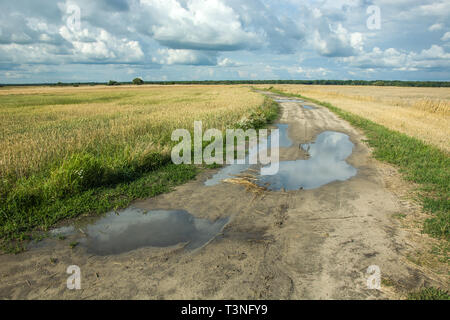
(285, 141)
(134, 228)
(63, 231)
(297, 101)
(231, 170)
(288, 100)
(325, 164)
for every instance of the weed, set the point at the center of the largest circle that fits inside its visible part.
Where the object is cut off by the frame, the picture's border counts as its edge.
(429, 294)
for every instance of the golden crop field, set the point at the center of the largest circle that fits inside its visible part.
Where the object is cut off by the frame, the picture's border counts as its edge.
(423, 113)
(41, 125)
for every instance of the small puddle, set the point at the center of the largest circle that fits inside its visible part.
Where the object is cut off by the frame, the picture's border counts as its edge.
(297, 101)
(289, 100)
(231, 170)
(134, 228)
(325, 164)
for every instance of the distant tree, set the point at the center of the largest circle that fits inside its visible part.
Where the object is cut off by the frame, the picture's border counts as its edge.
(113, 83)
(138, 81)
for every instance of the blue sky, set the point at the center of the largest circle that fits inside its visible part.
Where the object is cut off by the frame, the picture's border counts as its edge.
(84, 40)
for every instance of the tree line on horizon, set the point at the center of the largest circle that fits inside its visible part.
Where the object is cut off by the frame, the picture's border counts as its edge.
(139, 81)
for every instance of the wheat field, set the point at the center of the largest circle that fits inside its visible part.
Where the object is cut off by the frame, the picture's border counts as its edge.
(43, 125)
(423, 113)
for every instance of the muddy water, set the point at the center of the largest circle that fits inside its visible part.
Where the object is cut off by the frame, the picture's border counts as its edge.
(326, 164)
(234, 169)
(134, 228)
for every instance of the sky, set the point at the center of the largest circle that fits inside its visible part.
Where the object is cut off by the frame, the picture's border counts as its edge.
(47, 41)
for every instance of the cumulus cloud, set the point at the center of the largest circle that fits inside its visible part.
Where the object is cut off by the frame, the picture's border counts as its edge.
(37, 41)
(199, 25)
(309, 72)
(436, 27)
(338, 42)
(436, 8)
(233, 35)
(225, 62)
(17, 54)
(446, 36)
(101, 45)
(434, 57)
(186, 57)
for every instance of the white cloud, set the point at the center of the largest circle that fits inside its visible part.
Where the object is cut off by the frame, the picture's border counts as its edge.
(200, 25)
(437, 8)
(436, 27)
(93, 43)
(446, 36)
(308, 72)
(28, 53)
(37, 24)
(225, 62)
(105, 47)
(433, 58)
(434, 52)
(188, 57)
(337, 42)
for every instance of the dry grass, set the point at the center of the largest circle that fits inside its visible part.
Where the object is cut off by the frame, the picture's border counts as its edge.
(42, 125)
(423, 113)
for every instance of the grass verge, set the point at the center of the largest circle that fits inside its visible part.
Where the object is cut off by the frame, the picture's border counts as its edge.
(429, 294)
(87, 184)
(418, 162)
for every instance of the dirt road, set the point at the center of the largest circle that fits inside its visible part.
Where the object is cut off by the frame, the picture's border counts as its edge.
(303, 244)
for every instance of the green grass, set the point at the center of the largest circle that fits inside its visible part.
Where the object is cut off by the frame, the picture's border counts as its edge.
(429, 294)
(418, 162)
(87, 184)
(73, 244)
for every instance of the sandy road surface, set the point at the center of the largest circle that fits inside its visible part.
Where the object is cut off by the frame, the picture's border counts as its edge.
(305, 244)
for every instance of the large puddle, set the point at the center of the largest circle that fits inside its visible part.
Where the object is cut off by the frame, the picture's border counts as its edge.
(232, 170)
(326, 164)
(134, 228)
